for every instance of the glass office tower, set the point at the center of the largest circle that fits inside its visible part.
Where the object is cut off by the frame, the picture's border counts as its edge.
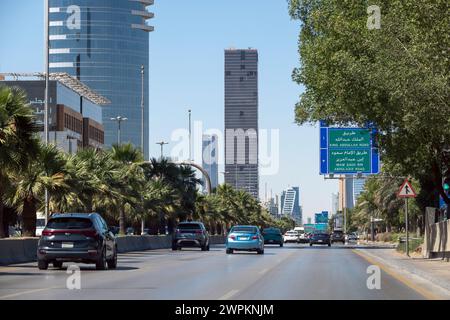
(104, 43)
(241, 120)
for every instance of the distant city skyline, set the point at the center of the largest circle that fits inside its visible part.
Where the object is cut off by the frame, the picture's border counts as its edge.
(186, 72)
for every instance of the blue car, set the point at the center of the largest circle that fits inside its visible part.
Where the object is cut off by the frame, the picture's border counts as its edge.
(245, 238)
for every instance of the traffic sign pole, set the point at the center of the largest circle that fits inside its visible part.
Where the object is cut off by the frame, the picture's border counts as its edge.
(407, 226)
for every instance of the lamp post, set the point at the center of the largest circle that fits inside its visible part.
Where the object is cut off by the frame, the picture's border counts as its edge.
(190, 135)
(161, 144)
(119, 120)
(47, 75)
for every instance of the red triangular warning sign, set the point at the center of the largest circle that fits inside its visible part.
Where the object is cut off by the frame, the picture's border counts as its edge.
(406, 190)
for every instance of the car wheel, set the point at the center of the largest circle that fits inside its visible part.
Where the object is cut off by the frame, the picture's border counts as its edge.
(329, 244)
(259, 251)
(42, 265)
(281, 244)
(112, 263)
(174, 247)
(204, 248)
(310, 244)
(101, 263)
(229, 251)
(57, 264)
(207, 247)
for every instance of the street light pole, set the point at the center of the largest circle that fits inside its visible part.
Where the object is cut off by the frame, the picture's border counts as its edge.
(142, 130)
(162, 143)
(190, 135)
(119, 120)
(47, 75)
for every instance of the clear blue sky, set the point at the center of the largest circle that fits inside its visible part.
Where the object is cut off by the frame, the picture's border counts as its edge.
(186, 70)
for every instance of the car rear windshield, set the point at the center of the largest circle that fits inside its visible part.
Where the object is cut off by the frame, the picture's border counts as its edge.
(189, 226)
(291, 233)
(69, 223)
(275, 231)
(244, 229)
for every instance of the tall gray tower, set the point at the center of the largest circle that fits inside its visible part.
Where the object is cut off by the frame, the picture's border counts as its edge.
(103, 44)
(241, 120)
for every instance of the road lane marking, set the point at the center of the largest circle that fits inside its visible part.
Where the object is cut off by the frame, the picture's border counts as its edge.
(263, 271)
(228, 295)
(395, 274)
(25, 292)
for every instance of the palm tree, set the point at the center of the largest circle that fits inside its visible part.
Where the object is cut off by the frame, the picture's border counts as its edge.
(17, 128)
(45, 171)
(132, 173)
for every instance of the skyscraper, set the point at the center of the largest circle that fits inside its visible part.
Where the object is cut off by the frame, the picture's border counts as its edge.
(104, 43)
(290, 203)
(358, 188)
(334, 203)
(210, 159)
(241, 120)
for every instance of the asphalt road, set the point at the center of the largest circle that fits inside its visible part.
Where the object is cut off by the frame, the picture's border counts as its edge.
(292, 272)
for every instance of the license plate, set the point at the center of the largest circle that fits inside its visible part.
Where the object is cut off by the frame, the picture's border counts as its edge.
(320, 240)
(243, 238)
(67, 245)
(270, 240)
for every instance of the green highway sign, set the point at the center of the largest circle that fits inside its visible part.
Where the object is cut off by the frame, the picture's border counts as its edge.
(349, 160)
(349, 138)
(348, 150)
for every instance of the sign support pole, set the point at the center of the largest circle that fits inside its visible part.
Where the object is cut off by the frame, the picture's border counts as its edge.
(407, 226)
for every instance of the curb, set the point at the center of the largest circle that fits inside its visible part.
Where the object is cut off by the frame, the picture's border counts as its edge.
(403, 274)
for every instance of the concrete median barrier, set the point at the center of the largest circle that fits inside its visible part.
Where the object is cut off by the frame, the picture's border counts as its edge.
(24, 250)
(17, 250)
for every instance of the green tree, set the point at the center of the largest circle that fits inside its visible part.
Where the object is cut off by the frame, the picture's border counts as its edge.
(26, 193)
(396, 77)
(16, 139)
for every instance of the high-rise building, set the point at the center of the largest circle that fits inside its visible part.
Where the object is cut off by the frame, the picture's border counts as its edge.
(334, 203)
(358, 188)
(290, 203)
(210, 162)
(104, 43)
(75, 111)
(241, 120)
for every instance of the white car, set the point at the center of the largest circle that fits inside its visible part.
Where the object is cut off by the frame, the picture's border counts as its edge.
(290, 236)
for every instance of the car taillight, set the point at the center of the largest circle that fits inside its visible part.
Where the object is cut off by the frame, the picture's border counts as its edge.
(90, 233)
(199, 231)
(47, 233)
(254, 237)
(232, 237)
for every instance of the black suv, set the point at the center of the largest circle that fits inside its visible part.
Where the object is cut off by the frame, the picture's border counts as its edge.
(338, 236)
(77, 237)
(190, 234)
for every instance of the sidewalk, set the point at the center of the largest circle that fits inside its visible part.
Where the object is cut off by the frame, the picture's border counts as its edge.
(431, 274)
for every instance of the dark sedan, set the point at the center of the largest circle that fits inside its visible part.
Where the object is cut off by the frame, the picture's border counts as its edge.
(77, 237)
(320, 238)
